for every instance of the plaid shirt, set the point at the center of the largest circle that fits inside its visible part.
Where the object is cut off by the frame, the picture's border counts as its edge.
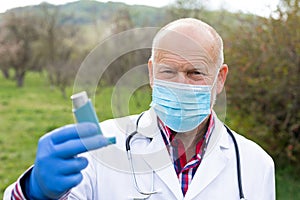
(185, 170)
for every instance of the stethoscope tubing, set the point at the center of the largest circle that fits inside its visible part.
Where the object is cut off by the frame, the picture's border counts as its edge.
(237, 153)
(238, 163)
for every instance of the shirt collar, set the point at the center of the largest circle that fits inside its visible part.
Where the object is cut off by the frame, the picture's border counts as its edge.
(168, 134)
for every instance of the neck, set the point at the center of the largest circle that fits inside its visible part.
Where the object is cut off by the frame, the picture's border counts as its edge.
(191, 138)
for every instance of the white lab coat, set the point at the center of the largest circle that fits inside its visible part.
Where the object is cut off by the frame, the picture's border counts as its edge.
(108, 175)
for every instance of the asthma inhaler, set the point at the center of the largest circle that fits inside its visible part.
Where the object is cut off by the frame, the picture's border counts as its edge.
(85, 112)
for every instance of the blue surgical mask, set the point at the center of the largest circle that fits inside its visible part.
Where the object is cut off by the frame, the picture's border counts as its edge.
(181, 107)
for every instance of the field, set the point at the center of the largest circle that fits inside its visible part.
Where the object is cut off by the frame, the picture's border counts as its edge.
(28, 113)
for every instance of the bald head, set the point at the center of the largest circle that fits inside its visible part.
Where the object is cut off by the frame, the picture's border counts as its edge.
(188, 51)
(188, 38)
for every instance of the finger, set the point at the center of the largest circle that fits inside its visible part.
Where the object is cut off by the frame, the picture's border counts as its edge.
(74, 147)
(71, 180)
(74, 131)
(59, 185)
(73, 165)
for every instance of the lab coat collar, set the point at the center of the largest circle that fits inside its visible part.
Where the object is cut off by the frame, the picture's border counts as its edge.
(219, 136)
(148, 127)
(157, 156)
(214, 161)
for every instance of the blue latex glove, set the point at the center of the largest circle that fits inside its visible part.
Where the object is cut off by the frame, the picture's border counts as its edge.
(57, 168)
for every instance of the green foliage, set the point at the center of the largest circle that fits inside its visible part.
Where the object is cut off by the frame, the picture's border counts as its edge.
(264, 81)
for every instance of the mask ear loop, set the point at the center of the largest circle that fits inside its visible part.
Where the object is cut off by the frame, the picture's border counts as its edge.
(212, 86)
(153, 65)
(216, 77)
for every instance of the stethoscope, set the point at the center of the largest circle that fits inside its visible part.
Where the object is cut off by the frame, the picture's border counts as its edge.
(152, 191)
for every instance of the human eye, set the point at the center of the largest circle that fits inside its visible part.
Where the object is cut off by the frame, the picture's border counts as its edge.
(168, 71)
(196, 74)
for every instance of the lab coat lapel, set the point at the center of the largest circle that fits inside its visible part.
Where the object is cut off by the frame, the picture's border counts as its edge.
(213, 163)
(157, 156)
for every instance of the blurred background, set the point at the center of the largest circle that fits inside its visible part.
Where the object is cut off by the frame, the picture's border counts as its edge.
(42, 45)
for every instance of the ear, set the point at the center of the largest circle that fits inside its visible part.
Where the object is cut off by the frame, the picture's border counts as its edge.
(222, 78)
(150, 71)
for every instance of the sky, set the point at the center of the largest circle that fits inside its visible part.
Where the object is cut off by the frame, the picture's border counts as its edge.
(259, 7)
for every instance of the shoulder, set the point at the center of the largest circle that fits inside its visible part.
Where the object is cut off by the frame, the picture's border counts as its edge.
(257, 166)
(252, 151)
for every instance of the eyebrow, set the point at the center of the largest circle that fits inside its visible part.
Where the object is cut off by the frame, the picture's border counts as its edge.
(191, 67)
(161, 65)
(199, 67)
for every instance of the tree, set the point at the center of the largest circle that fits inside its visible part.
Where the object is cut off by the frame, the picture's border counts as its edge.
(58, 48)
(4, 64)
(49, 33)
(265, 56)
(18, 33)
(120, 22)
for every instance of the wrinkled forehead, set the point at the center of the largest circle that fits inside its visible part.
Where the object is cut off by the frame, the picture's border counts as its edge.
(187, 43)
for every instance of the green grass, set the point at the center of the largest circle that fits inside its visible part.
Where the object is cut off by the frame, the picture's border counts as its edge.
(28, 113)
(25, 115)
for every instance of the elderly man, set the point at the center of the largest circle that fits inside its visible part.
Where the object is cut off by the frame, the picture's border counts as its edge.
(178, 149)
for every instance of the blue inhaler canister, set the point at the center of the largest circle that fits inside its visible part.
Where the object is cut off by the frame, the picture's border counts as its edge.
(85, 112)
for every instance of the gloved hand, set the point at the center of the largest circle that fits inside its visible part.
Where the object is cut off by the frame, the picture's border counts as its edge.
(57, 168)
